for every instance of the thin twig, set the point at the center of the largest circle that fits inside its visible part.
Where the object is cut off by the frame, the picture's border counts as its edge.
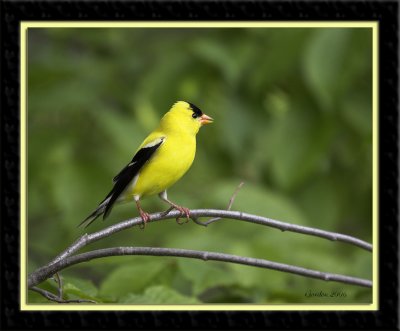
(206, 256)
(231, 200)
(52, 297)
(59, 282)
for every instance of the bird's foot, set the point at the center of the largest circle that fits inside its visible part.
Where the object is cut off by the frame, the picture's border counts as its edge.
(145, 217)
(184, 212)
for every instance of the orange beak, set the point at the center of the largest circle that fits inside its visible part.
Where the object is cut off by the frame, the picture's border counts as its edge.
(204, 119)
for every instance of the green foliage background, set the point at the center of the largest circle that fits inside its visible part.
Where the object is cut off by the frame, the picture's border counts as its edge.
(293, 119)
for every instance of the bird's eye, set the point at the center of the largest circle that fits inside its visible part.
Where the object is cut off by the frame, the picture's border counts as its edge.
(194, 115)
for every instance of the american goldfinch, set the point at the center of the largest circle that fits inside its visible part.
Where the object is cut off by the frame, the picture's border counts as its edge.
(161, 160)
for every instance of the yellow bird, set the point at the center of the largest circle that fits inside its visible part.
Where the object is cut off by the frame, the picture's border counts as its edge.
(160, 161)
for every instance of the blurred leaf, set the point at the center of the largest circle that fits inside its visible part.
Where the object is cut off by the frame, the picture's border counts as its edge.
(79, 288)
(275, 58)
(324, 58)
(299, 143)
(227, 294)
(219, 56)
(146, 115)
(236, 127)
(123, 134)
(277, 102)
(159, 295)
(36, 298)
(326, 212)
(131, 278)
(204, 275)
(357, 113)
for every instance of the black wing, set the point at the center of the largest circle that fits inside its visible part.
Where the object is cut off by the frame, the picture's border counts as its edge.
(122, 180)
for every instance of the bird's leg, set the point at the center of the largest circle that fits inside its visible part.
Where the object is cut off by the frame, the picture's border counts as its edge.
(184, 211)
(145, 216)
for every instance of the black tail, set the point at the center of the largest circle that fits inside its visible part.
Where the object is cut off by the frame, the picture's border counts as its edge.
(123, 180)
(95, 214)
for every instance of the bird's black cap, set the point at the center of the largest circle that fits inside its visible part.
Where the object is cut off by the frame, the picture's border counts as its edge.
(195, 109)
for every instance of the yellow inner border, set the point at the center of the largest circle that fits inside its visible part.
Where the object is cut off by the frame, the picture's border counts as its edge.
(24, 26)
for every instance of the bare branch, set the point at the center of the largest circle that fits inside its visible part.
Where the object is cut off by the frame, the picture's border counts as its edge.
(203, 255)
(52, 267)
(197, 213)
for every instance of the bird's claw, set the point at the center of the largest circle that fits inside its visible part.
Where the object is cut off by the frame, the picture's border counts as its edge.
(184, 212)
(145, 218)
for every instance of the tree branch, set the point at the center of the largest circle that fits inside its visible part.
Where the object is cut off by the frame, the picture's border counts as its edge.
(221, 214)
(202, 255)
(44, 272)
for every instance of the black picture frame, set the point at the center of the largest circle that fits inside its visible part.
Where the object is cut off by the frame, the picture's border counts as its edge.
(386, 13)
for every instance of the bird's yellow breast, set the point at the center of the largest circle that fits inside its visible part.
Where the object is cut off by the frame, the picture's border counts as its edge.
(168, 164)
